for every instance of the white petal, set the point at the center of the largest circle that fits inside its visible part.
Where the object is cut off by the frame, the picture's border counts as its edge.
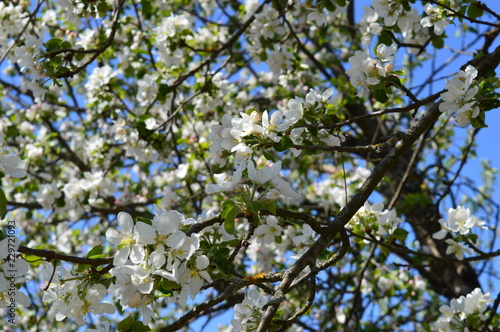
(114, 236)
(13, 165)
(137, 254)
(145, 233)
(121, 256)
(125, 222)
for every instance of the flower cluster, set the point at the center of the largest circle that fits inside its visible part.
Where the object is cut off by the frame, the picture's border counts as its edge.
(167, 34)
(248, 313)
(246, 135)
(460, 221)
(366, 71)
(96, 85)
(460, 314)
(376, 220)
(28, 58)
(436, 18)
(91, 187)
(267, 25)
(153, 255)
(459, 97)
(320, 16)
(75, 296)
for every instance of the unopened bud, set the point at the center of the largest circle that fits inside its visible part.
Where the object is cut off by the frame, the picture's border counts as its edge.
(240, 188)
(135, 299)
(389, 68)
(255, 117)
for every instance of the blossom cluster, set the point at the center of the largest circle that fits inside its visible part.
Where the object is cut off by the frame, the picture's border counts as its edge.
(366, 71)
(376, 220)
(249, 312)
(167, 34)
(75, 192)
(460, 222)
(73, 296)
(148, 254)
(459, 97)
(414, 27)
(246, 135)
(458, 316)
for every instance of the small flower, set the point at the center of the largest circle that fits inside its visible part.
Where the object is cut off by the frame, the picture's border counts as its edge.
(460, 96)
(435, 18)
(267, 232)
(131, 238)
(457, 249)
(225, 182)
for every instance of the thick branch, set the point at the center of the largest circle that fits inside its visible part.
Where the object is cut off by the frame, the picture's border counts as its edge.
(483, 65)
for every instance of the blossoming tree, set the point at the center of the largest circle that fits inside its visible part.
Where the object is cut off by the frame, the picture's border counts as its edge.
(296, 163)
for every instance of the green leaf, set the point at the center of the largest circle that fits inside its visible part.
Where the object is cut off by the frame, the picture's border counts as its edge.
(53, 45)
(329, 5)
(125, 324)
(82, 267)
(475, 10)
(385, 38)
(163, 91)
(341, 3)
(284, 144)
(270, 205)
(229, 224)
(226, 207)
(394, 80)
(168, 285)
(222, 265)
(406, 6)
(256, 206)
(473, 237)
(270, 156)
(400, 234)
(107, 281)
(230, 243)
(79, 56)
(66, 45)
(438, 42)
(479, 121)
(384, 251)
(131, 325)
(380, 95)
(3, 204)
(147, 9)
(222, 253)
(97, 250)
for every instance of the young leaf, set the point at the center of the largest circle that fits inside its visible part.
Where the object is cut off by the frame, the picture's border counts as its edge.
(400, 234)
(97, 250)
(229, 220)
(284, 144)
(479, 121)
(53, 45)
(226, 207)
(329, 5)
(380, 96)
